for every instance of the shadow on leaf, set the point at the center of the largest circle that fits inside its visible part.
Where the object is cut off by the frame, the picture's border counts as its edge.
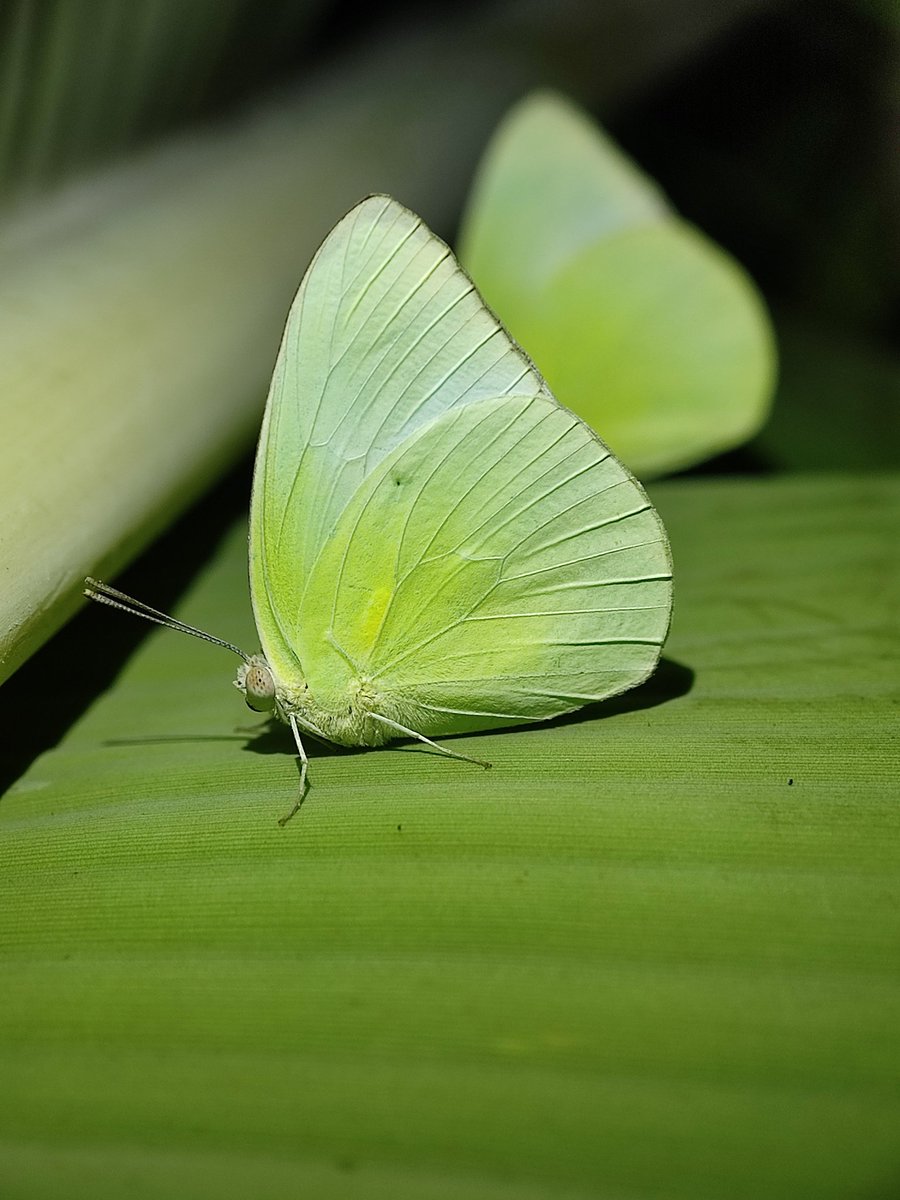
(670, 681)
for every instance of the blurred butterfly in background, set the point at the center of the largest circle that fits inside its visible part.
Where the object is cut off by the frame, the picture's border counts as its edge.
(436, 545)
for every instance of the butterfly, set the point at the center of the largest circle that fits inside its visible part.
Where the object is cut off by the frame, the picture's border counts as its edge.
(437, 546)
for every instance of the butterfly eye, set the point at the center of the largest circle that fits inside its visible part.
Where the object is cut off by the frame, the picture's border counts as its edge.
(259, 688)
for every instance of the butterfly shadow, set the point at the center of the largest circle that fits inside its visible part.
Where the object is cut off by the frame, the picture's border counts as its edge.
(274, 737)
(670, 681)
(271, 738)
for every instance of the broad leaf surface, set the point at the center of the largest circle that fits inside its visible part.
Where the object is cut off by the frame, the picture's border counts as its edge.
(652, 953)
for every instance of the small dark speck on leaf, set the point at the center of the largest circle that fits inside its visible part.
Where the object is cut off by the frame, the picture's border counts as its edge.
(790, 783)
(399, 827)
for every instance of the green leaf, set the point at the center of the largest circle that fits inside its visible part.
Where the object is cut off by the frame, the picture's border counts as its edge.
(652, 953)
(638, 322)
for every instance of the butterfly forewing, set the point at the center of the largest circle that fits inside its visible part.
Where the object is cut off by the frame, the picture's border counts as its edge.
(385, 335)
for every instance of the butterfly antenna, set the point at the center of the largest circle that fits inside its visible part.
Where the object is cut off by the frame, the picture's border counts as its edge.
(104, 594)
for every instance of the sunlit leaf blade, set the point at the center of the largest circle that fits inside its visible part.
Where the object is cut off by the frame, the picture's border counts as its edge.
(639, 323)
(652, 953)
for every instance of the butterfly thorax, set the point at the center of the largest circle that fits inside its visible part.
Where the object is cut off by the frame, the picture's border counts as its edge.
(343, 717)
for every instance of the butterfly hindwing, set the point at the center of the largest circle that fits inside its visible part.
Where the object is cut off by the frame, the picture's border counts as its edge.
(501, 565)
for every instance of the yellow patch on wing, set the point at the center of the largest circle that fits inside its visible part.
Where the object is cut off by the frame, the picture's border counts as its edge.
(371, 616)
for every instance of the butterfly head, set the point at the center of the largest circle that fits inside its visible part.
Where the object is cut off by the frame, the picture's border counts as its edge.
(255, 680)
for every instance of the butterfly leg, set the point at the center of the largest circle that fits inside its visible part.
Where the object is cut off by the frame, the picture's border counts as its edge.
(304, 767)
(428, 742)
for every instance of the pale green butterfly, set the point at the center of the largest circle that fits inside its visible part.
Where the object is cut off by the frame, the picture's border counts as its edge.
(436, 545)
